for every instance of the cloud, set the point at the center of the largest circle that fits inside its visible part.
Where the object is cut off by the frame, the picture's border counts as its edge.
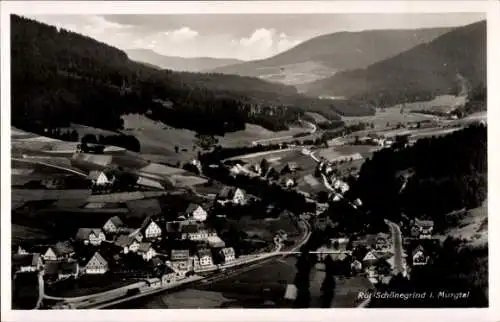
(264, 42)
(184, 33)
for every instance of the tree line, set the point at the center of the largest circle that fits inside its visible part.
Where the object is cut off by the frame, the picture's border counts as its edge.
(128, 142)
(429, 179)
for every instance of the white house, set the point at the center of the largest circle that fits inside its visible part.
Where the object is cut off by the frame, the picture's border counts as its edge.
(93, 236)
(205, 257)
(419, 256)
(113, 224)
(153, 230)
(99, 178)
(59, 251)
(127, 243)
(168, 276)
(239, 197)
(196, 212)
(228, 254)
(146, 251)
(96, 265)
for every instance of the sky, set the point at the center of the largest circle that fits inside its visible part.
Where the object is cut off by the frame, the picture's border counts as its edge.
(240, 36)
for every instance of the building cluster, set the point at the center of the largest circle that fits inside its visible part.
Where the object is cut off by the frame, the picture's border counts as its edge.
(158, 247)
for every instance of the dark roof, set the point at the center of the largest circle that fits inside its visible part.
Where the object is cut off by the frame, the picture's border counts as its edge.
(190, 228)
(116, 221)
(424, 223)
(204, 252)
(172, 227)
(226, 192)
(179, 254)
(25, 260)
(51, 268)
(417, 249)
(63, 248)
(84, 233)
(124, 240)
(157, 261)
(68, 267)
(192, 207)
(144, 247)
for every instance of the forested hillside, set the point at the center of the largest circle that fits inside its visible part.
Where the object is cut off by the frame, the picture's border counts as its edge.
(60, 77)
(421, 73)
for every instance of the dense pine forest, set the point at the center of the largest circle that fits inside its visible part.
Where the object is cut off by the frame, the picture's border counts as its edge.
(60, 77)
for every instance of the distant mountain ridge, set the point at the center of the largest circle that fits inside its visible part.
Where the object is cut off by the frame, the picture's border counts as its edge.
(196, 64)
(439, 67)
(325, 55)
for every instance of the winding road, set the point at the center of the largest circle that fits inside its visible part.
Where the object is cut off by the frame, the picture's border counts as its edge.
(397, 244)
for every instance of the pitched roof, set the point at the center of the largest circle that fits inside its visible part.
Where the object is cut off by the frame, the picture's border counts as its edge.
(63, 248)
(417, 249)
(179, 254)
(124, 240)
(25, 259)
(226, 192)
(190, 228)
(204, 252)
(116, 221)
(98, 257)
(168, 270)
(68, 267)
(192, 207)
(144, 247)
(424, 223)
(84, 233)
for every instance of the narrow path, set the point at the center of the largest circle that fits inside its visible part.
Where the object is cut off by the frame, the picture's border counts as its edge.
(397, 244)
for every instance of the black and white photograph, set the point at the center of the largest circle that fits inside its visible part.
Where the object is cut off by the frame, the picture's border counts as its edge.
(246, 160)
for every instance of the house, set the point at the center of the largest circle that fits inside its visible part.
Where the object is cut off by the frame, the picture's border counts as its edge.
(424, 227)
(374, 256)
(168, 276)
(152, 230)
(356, 266)
(288, 182)
(290, 167)
(228, 194)
(60, 251)
(381, 241)
(419, 256)
(215, 241)
(146, 250)
(26, 263)
(228, 254)
(56, 271)
(196, 212)
(127, 243)
(137, 234)
(205, 256)
(113, 225)
(179, 259)
(153, 282)
(100, 178)
(339, 244)
(190, 231)
(95, 265)
(93, 236)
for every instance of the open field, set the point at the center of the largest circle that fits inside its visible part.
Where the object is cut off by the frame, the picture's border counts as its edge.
(84, 130)
(441, 103)
(87, 285)
(25, 195)
(390, 115)
(265, 229)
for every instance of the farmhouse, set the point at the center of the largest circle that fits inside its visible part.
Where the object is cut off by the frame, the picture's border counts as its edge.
(151, 229)
(356, 266)
(180, 260)
(146, 251)
(95, 265)
(228, 255)
(419, 256)
(168, 276)
(60, 251)
(93, 236)
(236, 196)
(56, 271)
(100, 178)
(127, 243)
(113, 225)
(196, 212)
(422, 229)
(205, 256)
(26, 263)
